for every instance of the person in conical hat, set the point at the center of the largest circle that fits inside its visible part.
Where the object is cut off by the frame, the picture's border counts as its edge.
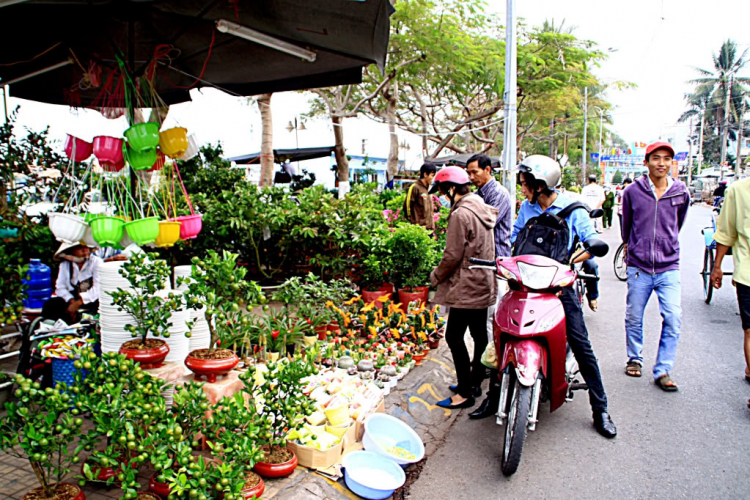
(77, 286)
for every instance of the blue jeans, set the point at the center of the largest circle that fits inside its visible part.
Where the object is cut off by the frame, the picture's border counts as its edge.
(592, 286)
(667, 287)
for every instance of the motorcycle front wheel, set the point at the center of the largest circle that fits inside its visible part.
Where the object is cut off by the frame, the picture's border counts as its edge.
(515, 427)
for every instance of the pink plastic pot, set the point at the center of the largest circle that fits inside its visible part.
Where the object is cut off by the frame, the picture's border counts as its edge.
(191, 226)
(108, 150)
(77, 149)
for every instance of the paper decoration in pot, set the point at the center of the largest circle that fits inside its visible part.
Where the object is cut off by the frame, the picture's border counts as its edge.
(77, 149)
(174, 142)
(143, 136)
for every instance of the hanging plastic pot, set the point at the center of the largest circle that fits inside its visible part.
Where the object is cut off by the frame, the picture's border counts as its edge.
(143, 136)
(191, 226)
(77, 149)
(108, 150)
(192, 149)
(139, 160)
(143, 231)
(88, 237)
(159, 163)
(107, 231)
(67, 228)
(169, 234)
(174, 142)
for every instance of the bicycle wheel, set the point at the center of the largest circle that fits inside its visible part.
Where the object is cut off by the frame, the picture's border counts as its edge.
(708, 267)
(621, 268)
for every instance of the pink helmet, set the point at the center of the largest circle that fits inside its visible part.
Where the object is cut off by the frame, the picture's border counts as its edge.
(452, 175)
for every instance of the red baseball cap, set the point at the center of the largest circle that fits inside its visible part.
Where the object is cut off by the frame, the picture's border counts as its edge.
(658, 145)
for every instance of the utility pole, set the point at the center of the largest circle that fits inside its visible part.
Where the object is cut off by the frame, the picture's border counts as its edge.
(509, 126)
(585, 129)
(551, 134)
(700, 142)
(725, 128)
(739, 141)
(690, 155)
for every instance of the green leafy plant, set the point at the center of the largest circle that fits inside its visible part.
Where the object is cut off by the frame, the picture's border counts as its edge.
(147, 275)
(375, 264)
(283, 330)
(412, 255)
(205, 479)
(189, 407)
(233, 432)
(41, 427)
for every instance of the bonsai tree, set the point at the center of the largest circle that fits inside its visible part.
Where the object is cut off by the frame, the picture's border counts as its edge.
(204, 479)
(189, 407)
(277, 395)
(412, 256)
(40, 428)
(219, 285)
(146, 275)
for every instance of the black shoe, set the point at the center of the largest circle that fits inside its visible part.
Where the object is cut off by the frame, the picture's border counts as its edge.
(486, 409)
(476, 392)
(446, 403)
(604, 425)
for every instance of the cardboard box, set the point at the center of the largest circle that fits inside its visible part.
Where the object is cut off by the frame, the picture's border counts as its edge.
(315, 459)
(361, 425)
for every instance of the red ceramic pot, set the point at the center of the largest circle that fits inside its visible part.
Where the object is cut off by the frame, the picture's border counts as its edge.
(386, 287)
(406, 297)
(77, 149)
(148, 358)
(104, 473)
(373, 296)
(211, 368)
(322, 332)
(79, 495)
(256, 491)
(425, 291)
(276, 470)
(157, 488)
(434, 343)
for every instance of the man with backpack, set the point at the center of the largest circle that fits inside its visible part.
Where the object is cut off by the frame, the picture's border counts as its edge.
(539, 176)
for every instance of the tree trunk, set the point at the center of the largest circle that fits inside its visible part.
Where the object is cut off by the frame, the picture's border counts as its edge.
(342, 162)
(266, 145)
(391, 95)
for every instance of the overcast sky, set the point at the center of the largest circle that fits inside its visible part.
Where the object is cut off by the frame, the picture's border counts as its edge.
(656, 45)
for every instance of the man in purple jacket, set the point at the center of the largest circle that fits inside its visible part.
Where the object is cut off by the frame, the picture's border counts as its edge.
(653, 210)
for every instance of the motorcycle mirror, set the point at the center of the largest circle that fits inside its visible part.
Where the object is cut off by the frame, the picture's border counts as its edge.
(597, 248)
(596, 213)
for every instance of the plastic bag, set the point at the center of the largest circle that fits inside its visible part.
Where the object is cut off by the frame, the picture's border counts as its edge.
(489, 356)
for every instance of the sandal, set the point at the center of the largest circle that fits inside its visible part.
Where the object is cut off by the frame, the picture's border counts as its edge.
(666, 384)
(633, 369)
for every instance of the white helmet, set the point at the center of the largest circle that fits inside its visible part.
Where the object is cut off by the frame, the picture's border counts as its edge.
(543, 168)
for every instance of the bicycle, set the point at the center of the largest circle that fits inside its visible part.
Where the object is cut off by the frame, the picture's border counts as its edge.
(708, 259)
(620, 264)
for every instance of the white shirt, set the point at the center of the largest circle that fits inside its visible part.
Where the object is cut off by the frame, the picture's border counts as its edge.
(65, 283)
(670, 181)
(593, 195)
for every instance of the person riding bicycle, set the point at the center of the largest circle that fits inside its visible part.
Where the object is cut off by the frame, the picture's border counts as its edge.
(719, 193)
(539, 176)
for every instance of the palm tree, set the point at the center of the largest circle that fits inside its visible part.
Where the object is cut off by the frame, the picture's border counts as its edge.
(698, 103)
(726, 87)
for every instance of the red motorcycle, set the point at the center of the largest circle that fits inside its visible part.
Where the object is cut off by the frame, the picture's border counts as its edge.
(534, 360)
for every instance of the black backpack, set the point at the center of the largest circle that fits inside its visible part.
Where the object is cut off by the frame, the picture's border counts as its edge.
(547, 235)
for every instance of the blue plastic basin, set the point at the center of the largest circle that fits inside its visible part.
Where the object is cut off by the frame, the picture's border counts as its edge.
(358, 475)
(384, 431)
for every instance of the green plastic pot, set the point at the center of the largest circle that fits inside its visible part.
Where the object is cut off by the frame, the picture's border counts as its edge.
(139, 160)
(106, 230)
(143, 136)
(143, 231)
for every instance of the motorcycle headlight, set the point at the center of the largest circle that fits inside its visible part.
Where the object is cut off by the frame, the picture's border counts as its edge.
(536, 277)
(505, 273)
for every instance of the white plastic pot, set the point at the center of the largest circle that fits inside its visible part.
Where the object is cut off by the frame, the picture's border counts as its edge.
(67, 228)
(88, 238)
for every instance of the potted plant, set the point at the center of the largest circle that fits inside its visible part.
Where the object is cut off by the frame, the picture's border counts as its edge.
(412, 258)
(375, 266)
(147, 275)
(202, 479)
(41, 427)
(283, 333)
(6, 388)
(277, 395)
(219, 285)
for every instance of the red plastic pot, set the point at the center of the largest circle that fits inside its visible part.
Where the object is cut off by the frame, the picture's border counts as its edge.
(108, 150)
(77, 149)
(148, 358)
(406, 297)
(254, 492)
(322, 332)
(386, 287)
(79, 496)
(434, 343)
(104, 473)
(373, 296)
(161, 489)
(211, 368)
(425, 291)
(159, 163)
(276, 470)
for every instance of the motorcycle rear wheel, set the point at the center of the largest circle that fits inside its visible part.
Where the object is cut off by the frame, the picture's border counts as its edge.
(516, 427)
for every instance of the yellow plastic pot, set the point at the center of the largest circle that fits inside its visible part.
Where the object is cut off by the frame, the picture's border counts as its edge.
(337, 416)
(310, 340)
(169, 234)
(173, 142)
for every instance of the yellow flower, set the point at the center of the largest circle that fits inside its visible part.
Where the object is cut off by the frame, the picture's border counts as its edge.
(384, 298)
(395, 333)
(432, 326)
(369, 307)
(373, 330)
(329, 303)
(352, 300)
(423, 336)
(362, 318)
(422, 318)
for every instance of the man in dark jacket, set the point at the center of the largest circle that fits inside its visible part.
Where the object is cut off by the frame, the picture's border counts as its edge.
(653, 211)
(418, 204)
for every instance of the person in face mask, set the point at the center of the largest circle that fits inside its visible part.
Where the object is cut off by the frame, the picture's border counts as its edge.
(77, 286)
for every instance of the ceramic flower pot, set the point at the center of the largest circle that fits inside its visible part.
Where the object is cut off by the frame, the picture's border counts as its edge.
(143, 231)
(76, 492)
(169, 234)
(211, 368)
(192, 149)
(254, 491)
(139, 160)
(406, 297)
(67, 228)
(373, 296)
(148, 358)
(143, 136)
(77, 149)
(107, 231)
(174, 142)
(425, 290)
(191, 226)
(108, 150)
(386, 287)
(161, 489)
(276, 470)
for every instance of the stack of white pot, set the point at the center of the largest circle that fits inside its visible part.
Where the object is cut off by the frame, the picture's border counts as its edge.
(111, 320)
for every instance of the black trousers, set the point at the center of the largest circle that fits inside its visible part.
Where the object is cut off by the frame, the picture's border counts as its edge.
(469, 373)
(578, 339)
(56, 308)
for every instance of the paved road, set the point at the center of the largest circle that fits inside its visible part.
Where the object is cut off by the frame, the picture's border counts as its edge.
(690, 444)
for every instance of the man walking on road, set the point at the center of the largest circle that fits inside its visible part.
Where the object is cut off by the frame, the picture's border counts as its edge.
(733, 226)
(593, 196)
(418, 203)
(653, 211)
(479, 168)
